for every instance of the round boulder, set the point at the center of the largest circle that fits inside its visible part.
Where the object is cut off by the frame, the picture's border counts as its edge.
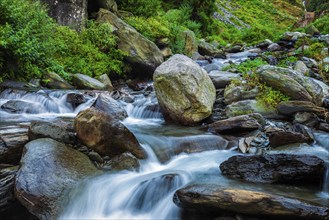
(185, 92)
(105, 134)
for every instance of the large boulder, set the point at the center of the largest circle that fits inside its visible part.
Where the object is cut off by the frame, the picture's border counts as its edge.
(12, 140)
(86, 82)
(143, 54)
(48, 169)
(106, 135)
(52, 80)
(207, 198)
(207, 49)
(280, 138)
(275, 168)
(294, 84)
(185, 92)
(238, 124)
(7, 178)
(109, 105)
(72, 13)
(190, 42)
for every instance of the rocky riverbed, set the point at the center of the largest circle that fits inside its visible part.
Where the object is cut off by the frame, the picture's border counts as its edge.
(191, 144)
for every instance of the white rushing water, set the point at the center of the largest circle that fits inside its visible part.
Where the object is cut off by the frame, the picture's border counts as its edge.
(148, 192)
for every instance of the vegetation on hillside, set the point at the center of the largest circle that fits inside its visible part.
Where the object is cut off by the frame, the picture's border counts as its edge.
(32, 43)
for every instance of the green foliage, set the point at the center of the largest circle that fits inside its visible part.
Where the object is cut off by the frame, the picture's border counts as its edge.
(249, 65)
(314, 51)
(92, 52)
(270, 97)
(322, 24)
(141, 8)
(153, 28)
(288, 61)
(32, 43)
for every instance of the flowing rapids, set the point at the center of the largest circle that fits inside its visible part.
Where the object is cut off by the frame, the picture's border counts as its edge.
(148, 192)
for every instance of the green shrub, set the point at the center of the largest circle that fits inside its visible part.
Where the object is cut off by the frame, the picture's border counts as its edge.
(141, 8)
(249, 66)
(153, 28)
(322, 24)
(32, 43)
(288, 61)
(270, 97)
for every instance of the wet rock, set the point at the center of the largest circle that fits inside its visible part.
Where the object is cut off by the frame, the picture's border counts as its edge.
(106, 135)
(12, 140)
(249, 106)
(143, 54)
(59, 130)
(214, 199)
(109, 105)
(72, 13)
(275, 168)
(280, 138)
(48, 168)
(294, 84)
(274, 47)
(207, 49)
(7, 178)
(256, 144)
(125, 161)
(238, 124)
(307, 118)
(94, 156)
(212, 67)
(301, 67)
(106, 81)
(75, 99)
(18, 106)
(292, 107)
(85, 82)
(274, 77)
(184, 90)
(239, 93)
(234, 49)
(52, 80)
(221, 78)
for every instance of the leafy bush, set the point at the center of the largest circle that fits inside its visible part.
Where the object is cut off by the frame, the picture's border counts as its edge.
(270, 97)
(141, 8)
(31, 43)
(288, 61)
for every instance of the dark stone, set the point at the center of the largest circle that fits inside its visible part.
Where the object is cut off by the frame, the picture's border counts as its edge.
(75, 99)
(292, 107)
(238, 124)
(59, 130)
(18, 106)
(7, 197)
(125, 161)
(72, 13)
(279, 138)
(48, 168)
(54, 81)
(275, 168)
(206, 198)
(12, 141)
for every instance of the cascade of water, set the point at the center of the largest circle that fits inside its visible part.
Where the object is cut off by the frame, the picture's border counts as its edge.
(325, 184)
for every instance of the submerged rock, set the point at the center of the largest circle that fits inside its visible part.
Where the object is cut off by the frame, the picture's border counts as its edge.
(275, 168)
(106, 135)
(19, 106)
(185, 92)
(217, 199)
(48, 169)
